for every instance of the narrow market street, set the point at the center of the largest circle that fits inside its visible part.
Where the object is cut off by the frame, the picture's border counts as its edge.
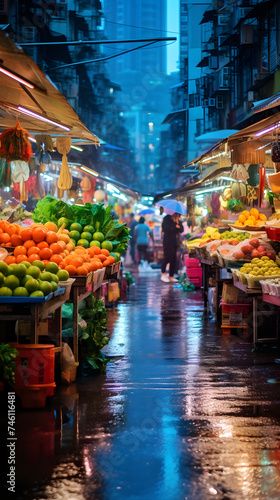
(183, 412)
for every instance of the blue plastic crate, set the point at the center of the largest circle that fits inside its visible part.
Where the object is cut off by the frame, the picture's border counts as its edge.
(25, 300)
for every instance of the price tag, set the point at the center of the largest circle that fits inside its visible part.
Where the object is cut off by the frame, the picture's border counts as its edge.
(235, 317)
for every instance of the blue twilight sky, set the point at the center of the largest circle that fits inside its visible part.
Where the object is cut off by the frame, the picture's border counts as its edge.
(173, 25)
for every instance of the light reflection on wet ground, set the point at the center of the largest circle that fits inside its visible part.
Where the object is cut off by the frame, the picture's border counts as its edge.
(186, 413)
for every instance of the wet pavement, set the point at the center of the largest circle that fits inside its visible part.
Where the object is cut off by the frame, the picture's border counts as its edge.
(184, 413)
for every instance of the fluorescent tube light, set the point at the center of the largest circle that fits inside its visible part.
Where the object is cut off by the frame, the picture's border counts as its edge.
(266, 130)
(209, 158)
(211, 190)
(77, 148)
(227, 178)
(39, 117)
(89, 171)
(112, 188)
(17, 78)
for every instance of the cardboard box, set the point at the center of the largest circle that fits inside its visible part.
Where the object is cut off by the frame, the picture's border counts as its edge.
(23, 328)
(230, 293)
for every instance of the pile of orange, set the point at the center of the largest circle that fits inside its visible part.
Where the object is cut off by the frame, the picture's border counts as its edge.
(46, 243)
(82, 261)
(37, 242)
(252, 218)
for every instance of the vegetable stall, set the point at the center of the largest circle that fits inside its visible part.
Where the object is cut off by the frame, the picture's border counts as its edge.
(64, 255)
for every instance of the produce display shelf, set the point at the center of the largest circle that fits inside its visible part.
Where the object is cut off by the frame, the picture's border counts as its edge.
(244, 288)
(271, 299)
(26, 300)
(59, 291)
(81, 281)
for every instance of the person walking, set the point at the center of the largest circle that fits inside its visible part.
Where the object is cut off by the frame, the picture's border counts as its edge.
(171, 229)
(132, 224)
(142, 232)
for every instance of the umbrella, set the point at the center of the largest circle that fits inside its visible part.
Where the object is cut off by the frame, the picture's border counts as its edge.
(172, 206)
(146, 211)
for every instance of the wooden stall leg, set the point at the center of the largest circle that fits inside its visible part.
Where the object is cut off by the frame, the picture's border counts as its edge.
(75, 322)
(255, 320)
(34, 323)
(58, 325)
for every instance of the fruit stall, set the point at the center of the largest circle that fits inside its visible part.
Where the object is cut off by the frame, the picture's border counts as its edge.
(64, 255)
(244, 266)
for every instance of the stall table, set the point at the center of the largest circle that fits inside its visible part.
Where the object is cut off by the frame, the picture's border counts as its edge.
(34, 312)
(255, 293)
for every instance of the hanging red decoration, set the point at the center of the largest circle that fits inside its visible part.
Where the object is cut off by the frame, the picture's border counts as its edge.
(15, 144)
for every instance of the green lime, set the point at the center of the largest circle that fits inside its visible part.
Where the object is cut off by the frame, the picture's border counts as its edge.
(113, 254)
(20, 270)
(83, 243)
(3, 267)
(37, 293)
(73, 241)
(55, 278)
(107, 244)
(95, 243)
(12, 281)
(34, 271)
(5, 291)
(25, 279)
(89, 229)
(46, 287)
(118, 255)
(46, 276)
(75, 226)
(74, 235)
(86, 236)
(2, 278)
(26, 263)
(32, 285)
(62, 275)
(52, 267)
(54, 286)
(39, 263)
(63, 220)
(20, 291)
(11, 269)
(98, 236)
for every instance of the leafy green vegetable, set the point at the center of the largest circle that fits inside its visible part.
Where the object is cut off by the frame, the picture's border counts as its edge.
(96, 215)
(96, 335)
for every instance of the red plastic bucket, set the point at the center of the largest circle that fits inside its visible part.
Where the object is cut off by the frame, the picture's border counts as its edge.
(34, 374)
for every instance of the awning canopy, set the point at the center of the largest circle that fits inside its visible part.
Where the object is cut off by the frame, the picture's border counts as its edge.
(175, 115)
(215, 136)
(44, 99)
(270, 102)
(209, 15)
(203, 63)
(189, 188)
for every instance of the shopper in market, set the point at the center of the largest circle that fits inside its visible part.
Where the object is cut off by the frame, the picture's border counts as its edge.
(132, 224)
(171, 229)
(142, 232)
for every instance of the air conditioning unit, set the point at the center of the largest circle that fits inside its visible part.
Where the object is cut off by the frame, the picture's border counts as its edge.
(224, 77)
(243, 11)
(223, 19)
